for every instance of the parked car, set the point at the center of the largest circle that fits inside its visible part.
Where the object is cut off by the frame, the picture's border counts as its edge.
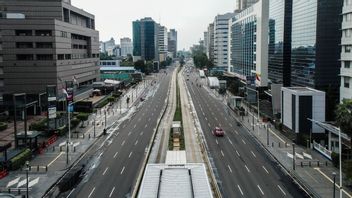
(218, 132)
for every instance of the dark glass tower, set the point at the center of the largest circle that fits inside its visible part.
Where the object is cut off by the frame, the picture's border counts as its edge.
(280, 27)
(137, 38)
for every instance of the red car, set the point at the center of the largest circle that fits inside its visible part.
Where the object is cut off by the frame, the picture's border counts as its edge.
(218, 131)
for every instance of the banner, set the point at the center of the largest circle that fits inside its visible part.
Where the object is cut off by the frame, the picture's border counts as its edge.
(52, 112)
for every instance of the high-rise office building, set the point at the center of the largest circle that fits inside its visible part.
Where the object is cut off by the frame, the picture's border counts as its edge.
(172, 42)
(280, 28)
(346, 51)
(206, 42)
(211, 42)
(243, 4)
(315, 51)
(249, 44)
(126, 46)
(162, 43)
(47, 43)
(221, 24)
(108, 47)
(145, 39)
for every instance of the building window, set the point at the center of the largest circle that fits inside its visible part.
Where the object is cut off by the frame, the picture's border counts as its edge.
(346, 82)
(1, 58)
(61, 57)
(43, 32)
(23, 32)
(63, 34)
(44, 57)
(23, 45)
(348, 48)
(347, 64)
(44, 45)
(67, 56)
(24, 56)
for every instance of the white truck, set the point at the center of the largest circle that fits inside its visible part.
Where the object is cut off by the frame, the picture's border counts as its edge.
(201, 73)
(213, 83)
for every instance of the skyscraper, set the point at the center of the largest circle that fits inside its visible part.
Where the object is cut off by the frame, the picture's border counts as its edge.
(280, 29)
(243, 4)
(211, 42)
(162, 43)
(145, 39)
(126, 46)
(172, 42)
(221, 24)
(346, 52)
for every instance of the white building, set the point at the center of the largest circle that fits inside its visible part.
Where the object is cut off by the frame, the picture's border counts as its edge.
(299, 104)
(221, 39)
(126, 46)
(108, 46)
(249, 44)
(162, 43)
(346, 52)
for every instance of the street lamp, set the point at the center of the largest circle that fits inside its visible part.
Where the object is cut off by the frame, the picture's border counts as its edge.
(27, 170)
(334, 176)
(94, 116)
(294, 156)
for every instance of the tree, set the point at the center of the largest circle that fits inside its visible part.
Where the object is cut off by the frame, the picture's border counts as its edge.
(200, 60)
(140, 65)
(82, 117)
(105, 56)
(344, 116)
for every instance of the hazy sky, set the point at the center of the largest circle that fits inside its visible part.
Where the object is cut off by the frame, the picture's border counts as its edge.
(189, 17)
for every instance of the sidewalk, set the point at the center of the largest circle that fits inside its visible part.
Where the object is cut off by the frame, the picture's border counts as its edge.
(48, 167)
(312, 170)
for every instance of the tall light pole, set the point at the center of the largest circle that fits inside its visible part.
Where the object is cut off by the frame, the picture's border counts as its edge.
(27, 170)
(94, 116)
(334, 177)
(340, 163)
(294, 156)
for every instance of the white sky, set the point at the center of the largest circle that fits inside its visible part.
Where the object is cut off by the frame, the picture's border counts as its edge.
(113, 18)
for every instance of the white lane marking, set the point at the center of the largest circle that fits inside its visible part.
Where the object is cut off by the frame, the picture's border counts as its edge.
(225, 118)
(247, 168)
(123, 169)
(206, 118)
(91, 192)
(123, 143)
(148, 119)
(146, 126)
(208, 124)
(265, 170)
(243, 141)
(222, 153)
(116, 154)
(283, 192)
(141, 133)
(129, 156)
(253, 154)
(230, 124)
(236, 132)
(134, 126)
(129, 133)
(216, 141)
(239, 188)
(260, 189)
(216, 119)
(105, 170)
(152, 114)
(55, 158)
(238, 153)
(230, 141)
(112, 191)
(136, 142)
(228, 166)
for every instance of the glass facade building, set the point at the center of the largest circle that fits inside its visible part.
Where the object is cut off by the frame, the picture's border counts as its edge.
(243, 43)
(136, 25)
(280, 26)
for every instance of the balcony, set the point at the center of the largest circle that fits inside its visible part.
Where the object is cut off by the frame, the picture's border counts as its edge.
(346, 56)
(347, 25)
(347, 9)
(346, 72)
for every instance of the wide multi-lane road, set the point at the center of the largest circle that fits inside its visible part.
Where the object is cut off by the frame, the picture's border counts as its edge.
(121, 161)
(242, 167)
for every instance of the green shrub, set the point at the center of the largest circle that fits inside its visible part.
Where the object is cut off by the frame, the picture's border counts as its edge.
(62, 131)
(82, 117)
(103, 103)
(39, 126)
(3, 126)
(19, 160)
(74, 122)
(111, 99)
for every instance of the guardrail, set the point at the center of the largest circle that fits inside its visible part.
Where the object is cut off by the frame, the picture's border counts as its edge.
(322, 150)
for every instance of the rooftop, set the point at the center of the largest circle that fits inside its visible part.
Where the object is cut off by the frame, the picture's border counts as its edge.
(162, 180)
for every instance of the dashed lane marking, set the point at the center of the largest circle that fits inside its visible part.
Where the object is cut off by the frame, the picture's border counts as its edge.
(222, 153)
(105, 170)
(283, 192)
(253, 154)
(116, 154)
(239, 188)
(228, 166)
(112, 191)
(123, 169)
(243, 141)
(91, 192)
(266, 170)
(247, 168)
(129, 156)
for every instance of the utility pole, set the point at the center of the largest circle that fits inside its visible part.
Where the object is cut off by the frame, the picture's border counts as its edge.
(67, 152)
(294, 156)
